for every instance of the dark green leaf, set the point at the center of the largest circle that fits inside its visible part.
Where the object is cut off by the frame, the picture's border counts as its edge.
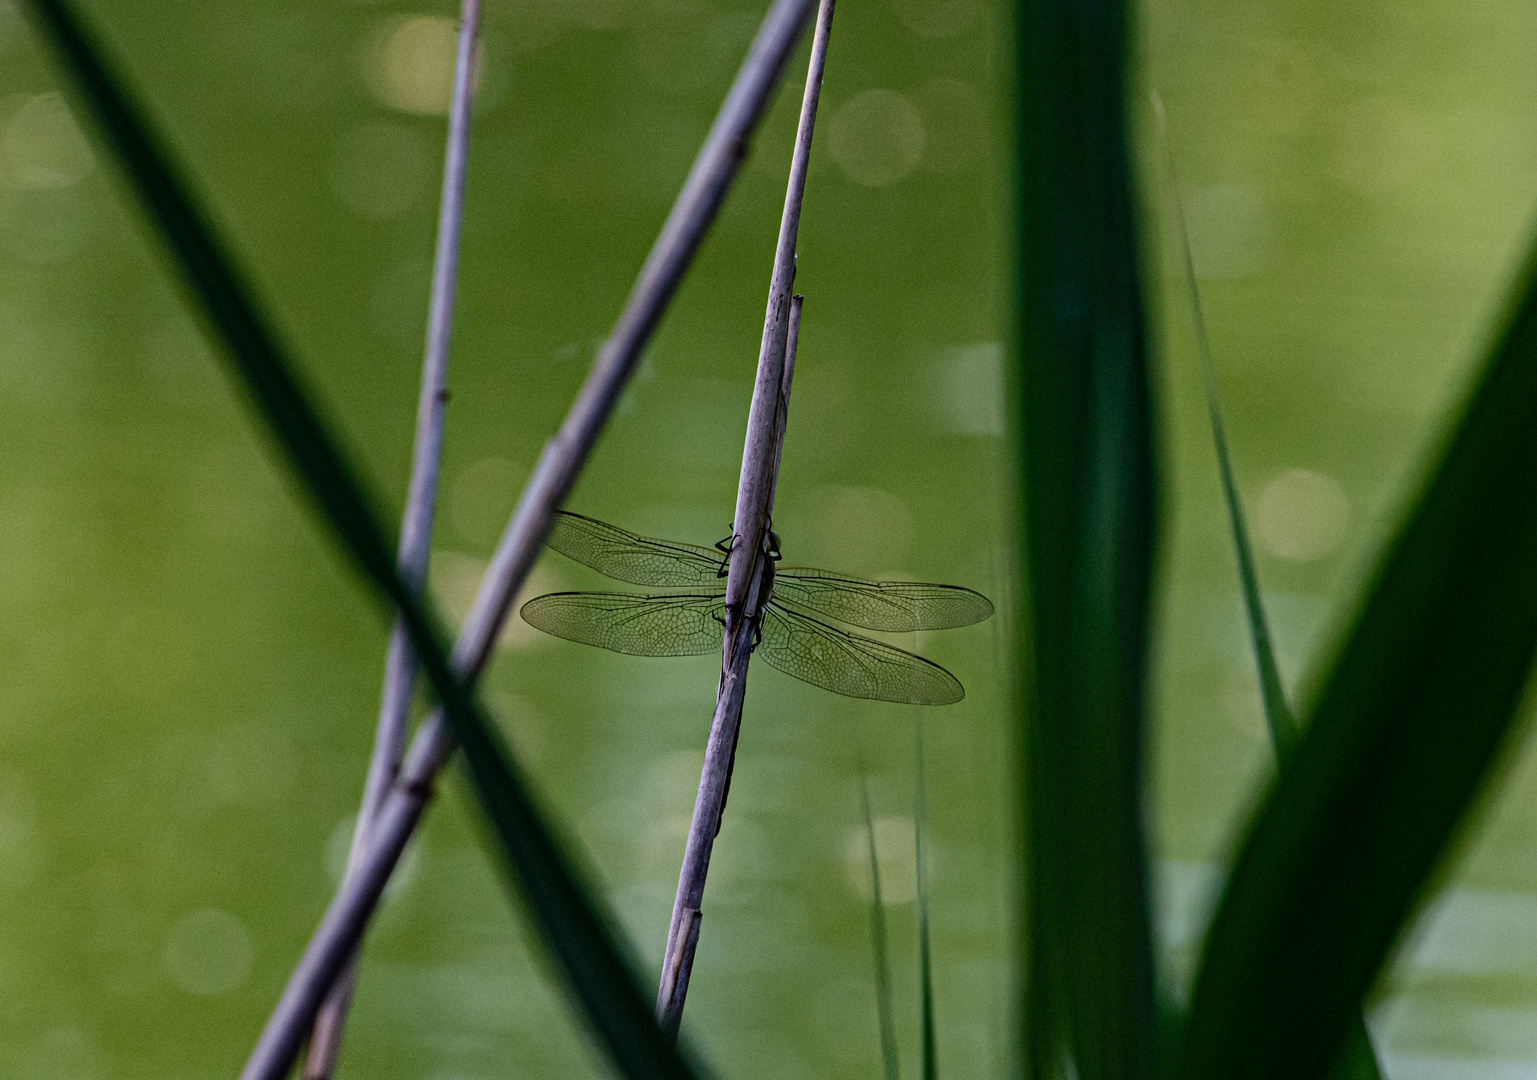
(576, 932)
(1088, 506)
(1403, 731)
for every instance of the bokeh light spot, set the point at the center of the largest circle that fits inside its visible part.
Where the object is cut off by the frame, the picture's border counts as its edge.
(410, 64)
(64, 1053)
(937, 18)
(877, 138)
(42, 146)
(971, 395)
(894, 854)
(1229, 231)
(208, 953)
(1301, 515)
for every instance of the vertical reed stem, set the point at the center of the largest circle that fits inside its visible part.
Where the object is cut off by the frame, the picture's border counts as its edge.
(416, 524)
(749, 547)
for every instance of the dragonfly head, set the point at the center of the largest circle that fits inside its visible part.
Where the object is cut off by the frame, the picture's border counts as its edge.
(773, 544)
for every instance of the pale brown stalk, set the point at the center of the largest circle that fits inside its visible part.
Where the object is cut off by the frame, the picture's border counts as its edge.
(749, 548)
(695, 209)
(416, 523)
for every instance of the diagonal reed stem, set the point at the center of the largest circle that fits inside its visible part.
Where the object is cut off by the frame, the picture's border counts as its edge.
(749, 547)
(694, 210)
(416, 523)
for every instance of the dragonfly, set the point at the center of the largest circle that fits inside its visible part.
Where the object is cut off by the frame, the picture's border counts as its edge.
(790, 634)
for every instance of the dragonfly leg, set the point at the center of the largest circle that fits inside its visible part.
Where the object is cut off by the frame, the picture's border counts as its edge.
(724, 546)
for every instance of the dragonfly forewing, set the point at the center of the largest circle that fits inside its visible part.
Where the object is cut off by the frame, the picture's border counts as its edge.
(899, 606)
(640, 560)
(675, 625)
(851, 665)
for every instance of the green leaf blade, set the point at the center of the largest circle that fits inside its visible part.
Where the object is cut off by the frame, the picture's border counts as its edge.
(1088, 508)
(1278, 714)
(1403, 732)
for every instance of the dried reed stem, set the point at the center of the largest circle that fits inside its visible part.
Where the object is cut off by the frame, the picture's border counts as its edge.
(695, 208)
(416, 525)
(749, 547)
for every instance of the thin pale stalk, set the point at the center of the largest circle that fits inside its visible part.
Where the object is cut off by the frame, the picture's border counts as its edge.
(792, 343)
(416, 522)
(720, 748)
(694, 210)
(749, 547)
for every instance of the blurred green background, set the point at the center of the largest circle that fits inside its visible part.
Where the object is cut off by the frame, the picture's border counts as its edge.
(192, 674)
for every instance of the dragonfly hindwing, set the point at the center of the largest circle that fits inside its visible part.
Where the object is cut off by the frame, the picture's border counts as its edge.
(852, 665)
(678, 625)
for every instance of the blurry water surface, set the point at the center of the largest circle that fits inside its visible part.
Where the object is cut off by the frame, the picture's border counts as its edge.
(191, 672)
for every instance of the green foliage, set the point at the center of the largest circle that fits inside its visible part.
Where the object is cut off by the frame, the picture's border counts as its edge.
(1402, 733)
(1088, 479)
(1403, 730)
(577, 933)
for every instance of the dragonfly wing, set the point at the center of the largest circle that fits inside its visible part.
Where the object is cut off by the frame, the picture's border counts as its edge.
(625, 556)
(900, 606)
(636, 625)
(851, 665)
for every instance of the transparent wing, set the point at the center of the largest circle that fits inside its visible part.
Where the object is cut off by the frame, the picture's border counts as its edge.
(624, 623)
(900, 606)
(851, 665)
(623, 555)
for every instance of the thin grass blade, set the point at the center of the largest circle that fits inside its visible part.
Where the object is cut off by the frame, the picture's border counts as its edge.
(1278, 714)
(885, 1014)
(928, 1051)
(1359, 1060)
(1401, 736)
(1088, 526)
(579, 936)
